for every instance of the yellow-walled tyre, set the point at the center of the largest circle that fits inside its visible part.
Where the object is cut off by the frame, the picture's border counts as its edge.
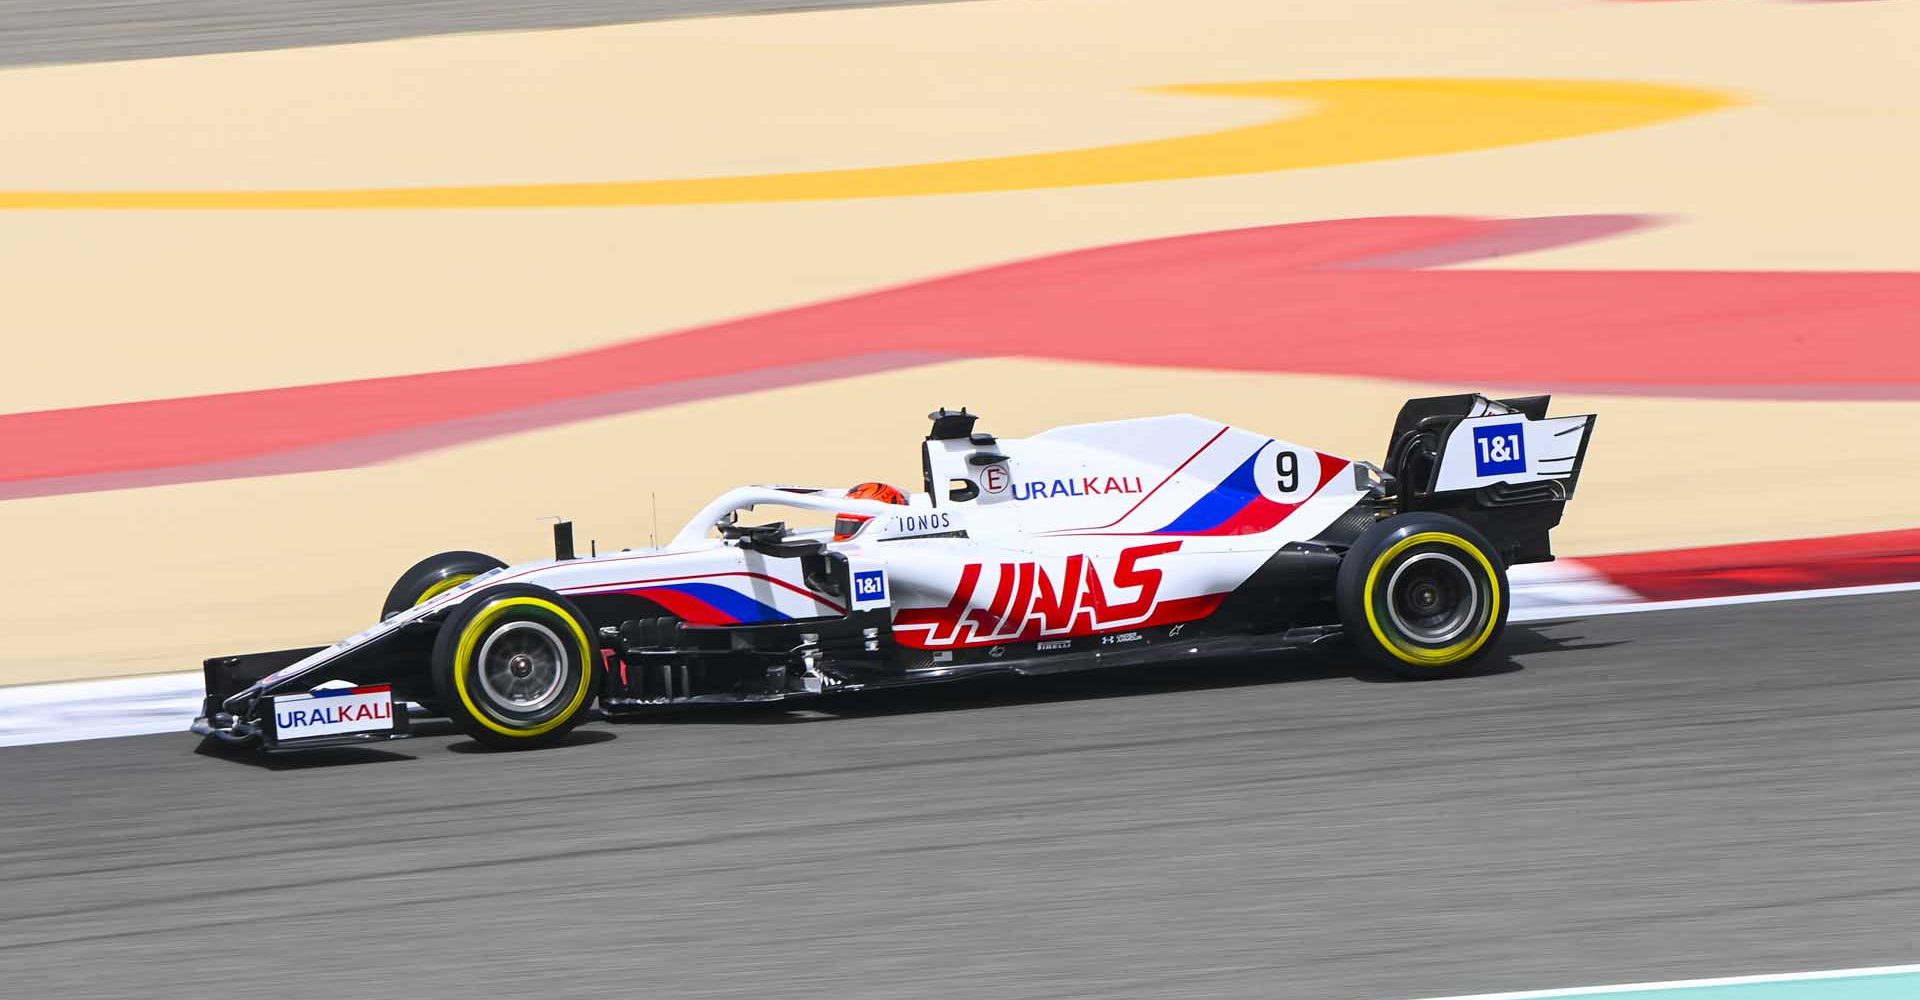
(433, 576)
(1423, 595)
(516, 666)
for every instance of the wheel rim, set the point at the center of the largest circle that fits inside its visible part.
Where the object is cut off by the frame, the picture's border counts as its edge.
(523, 666)
(1432, 598)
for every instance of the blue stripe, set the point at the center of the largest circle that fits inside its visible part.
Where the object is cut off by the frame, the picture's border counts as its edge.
(1225, 500)
(730, 602)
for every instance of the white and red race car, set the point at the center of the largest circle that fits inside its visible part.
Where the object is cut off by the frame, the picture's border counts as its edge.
(1086, 546)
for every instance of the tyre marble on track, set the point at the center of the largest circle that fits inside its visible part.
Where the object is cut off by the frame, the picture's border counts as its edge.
(1650, 796)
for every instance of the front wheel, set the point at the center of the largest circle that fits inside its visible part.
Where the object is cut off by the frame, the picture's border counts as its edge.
(516, 666)
(433, 576)
(1423, 595)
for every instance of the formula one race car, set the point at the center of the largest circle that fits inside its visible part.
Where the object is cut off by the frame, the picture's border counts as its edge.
(1087, 546)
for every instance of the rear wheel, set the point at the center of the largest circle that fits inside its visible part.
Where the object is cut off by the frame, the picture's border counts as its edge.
(433, 576)
(516, 666)
(1423, 595)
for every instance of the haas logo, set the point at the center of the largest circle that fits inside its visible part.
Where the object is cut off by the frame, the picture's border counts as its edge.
(1030, 602)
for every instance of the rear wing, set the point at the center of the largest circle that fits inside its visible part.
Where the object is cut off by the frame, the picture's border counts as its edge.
(1502, 465)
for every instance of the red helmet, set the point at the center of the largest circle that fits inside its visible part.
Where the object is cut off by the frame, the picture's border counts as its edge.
(845, 525)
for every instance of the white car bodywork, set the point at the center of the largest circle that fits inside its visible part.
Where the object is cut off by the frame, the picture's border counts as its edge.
(1085, 530)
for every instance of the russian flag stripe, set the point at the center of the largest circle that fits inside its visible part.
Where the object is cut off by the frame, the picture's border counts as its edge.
(343, 692)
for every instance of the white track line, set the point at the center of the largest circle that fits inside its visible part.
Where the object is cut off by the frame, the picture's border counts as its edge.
(167, 703)
(1691, 984)
(91, 710)
(1548, 612)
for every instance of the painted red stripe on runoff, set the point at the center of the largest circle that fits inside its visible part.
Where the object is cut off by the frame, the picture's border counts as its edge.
(1306, 298)
(1765, 567)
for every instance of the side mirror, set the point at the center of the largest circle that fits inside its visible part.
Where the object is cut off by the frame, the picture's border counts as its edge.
(754, 534)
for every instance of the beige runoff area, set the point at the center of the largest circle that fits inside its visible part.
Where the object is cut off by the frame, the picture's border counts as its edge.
(108, 306)
(156, 579)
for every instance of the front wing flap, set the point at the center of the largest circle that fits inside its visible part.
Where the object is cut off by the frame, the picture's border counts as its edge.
(390, 658)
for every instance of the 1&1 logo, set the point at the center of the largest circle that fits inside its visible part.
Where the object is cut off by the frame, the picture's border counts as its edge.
(1499, 449)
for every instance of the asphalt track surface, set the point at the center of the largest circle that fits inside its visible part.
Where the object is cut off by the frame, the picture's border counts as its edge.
(52, 31)
(1634, 797)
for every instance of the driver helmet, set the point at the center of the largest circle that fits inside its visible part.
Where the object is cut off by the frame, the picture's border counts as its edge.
(846, 525)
